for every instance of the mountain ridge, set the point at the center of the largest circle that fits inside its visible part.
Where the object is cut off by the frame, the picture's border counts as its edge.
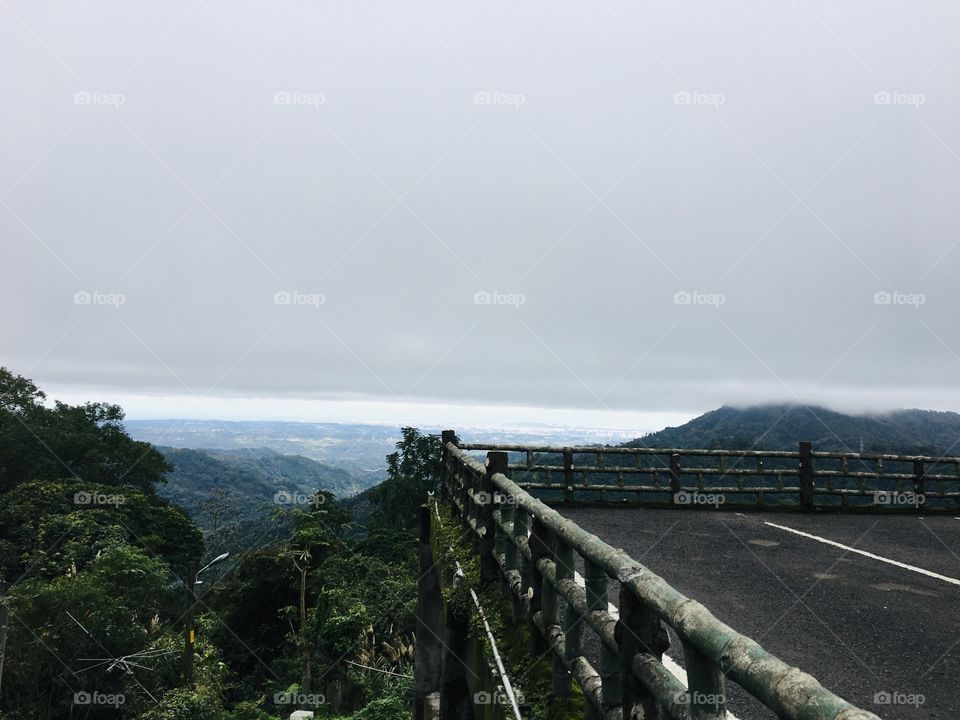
(779, 426)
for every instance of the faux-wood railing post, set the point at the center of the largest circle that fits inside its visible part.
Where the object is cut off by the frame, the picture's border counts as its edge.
(503, 543)
(447, 436)
(428, 652)
(918, 477)
(520, 562)
(541, 600)
(674, 474)
(595, 585)
(638, 632)
(567, 475)
(471, 509)
(489, 568)
(806, 474)
(461, 485)
(570, 624)
(705, 683)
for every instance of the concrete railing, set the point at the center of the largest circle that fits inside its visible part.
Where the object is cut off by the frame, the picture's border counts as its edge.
(532, 551)
(803, 479)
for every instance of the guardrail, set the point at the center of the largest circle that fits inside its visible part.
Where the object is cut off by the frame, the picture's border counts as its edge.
(532, 551)
(802, 479)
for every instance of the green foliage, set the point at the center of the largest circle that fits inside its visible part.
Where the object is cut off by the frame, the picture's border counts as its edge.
(412, 471)
(85, 441)
(397, 704)
(244, 482)
(181, 703)
(249, 711)
(108, 609)
(91, 559)
(52, 527)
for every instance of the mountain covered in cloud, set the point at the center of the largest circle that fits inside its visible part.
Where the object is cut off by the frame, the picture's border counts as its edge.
(782, 427)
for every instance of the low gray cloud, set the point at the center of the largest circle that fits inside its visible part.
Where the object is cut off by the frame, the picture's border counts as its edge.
(603, 207)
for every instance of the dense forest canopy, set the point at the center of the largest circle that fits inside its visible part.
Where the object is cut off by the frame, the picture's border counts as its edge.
(317, 614)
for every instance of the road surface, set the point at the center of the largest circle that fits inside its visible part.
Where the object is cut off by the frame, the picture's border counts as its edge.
(868, 605)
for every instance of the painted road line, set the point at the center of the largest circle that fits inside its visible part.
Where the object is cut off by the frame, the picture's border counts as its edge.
(668, 662)
(913, 568)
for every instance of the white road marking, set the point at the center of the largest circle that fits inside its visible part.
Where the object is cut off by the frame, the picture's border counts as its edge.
(668, 662)
(913, 568)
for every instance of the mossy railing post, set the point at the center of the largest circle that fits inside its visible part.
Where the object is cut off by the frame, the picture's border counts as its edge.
(595, 585)
(447, 436)
(568, 475)
(489, 567)
(638, 632)
(476, 510)
(918, 477)
(674, 476)
(571, 624)
(542, 597)
(461, 485)
(806, 474)
(428, 652)
(705, 683)
(504, 544)
(520, 526)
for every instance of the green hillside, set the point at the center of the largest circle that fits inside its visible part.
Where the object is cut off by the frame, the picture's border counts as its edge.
(782, 427)
(218, 487)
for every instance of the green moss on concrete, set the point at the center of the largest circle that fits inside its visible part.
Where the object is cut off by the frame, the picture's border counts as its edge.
(529, 673)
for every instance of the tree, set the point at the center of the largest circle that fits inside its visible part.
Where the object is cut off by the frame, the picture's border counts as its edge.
(412, 471)
(85, 442)
(317, 532)
(68, 630)
(51, 527)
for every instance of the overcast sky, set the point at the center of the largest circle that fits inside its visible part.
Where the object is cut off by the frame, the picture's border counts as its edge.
(609, 213)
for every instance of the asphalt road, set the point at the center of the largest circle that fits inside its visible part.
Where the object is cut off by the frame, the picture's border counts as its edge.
(867, 629)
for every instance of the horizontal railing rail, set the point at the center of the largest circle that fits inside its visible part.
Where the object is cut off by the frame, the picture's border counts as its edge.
(803, 479)
(533, 551)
